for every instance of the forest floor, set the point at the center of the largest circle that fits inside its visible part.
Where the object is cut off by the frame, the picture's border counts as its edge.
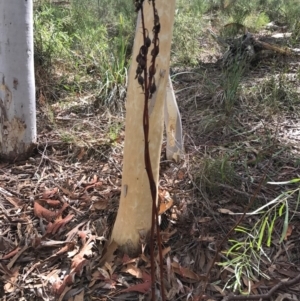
(57, 208)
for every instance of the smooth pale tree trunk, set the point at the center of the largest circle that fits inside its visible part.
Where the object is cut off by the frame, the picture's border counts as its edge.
(17, 85)
(173, 125)
(133, 222)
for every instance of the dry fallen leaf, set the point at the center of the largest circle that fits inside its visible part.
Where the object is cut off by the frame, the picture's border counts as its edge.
(204, 219)
(59, 223)
(49, 193)
(48, 215)
(289, 231)
(100, 205)
(185, 272)
(11, 253)
(52, 203)
(10, 280)
(141, 287)
(108, 253)
(132, 270)
(79, 297)
(225, 211)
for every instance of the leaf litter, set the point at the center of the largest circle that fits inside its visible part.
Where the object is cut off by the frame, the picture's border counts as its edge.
(57, 210)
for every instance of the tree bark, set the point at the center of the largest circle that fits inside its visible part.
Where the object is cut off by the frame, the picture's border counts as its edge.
(174, 149)
(17, 86)
(133, 222)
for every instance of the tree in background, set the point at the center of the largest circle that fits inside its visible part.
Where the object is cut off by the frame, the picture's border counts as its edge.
(17, 87)
(133, 221)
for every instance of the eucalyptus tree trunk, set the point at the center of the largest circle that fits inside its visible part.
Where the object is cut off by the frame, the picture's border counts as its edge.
(17, 86)
(133, 222)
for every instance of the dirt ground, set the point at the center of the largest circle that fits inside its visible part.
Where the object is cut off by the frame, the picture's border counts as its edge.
(57, 208)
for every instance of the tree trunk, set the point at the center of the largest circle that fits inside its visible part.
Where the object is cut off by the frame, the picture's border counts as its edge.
(133, 221)
(17, 87)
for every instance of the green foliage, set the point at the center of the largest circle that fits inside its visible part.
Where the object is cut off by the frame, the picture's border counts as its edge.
(230, 83)
(213, 172)
(245, 254)
(256, 21)
(188, 28)
(279, 93)
(88, 44)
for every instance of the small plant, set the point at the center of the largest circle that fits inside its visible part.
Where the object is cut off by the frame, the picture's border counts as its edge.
(67, 137)
(213, 172)
(245, 254)
(278, 93)
(186, 49)
(231, 78)
(114, 131)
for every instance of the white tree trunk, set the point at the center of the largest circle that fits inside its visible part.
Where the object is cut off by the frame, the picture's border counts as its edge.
(133, 221)
(17, 85)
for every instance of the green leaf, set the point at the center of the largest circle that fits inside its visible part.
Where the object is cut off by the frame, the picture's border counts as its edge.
(270, 230)
(261, 233)
(296, 180)
(285, 224)
(281, 209)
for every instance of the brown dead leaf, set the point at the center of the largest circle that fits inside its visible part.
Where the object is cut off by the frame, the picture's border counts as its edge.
(289, 231)
(67, 248)
(79, 297)
(10, 280)
(14, 201)
(100, 205)
(89, 187)
(180, 175)
(52, 228)
(79, 261)
(132, 270)
(204, 219)
(165, 236)
(52, 203)
(163, 207)
(141, 287)
(11, 253)
(49, 193)
(108, 253)
(225, 211)
(4, 269)
(206, 238)
(248, 282)
(93, 181)
(40, 211)
(185, 272)
(166, 201)
(81, 153)
(164, 252)
(16, 256)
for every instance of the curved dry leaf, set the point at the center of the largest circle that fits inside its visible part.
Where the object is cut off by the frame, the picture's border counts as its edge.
(185, 272)
(132, 270)
(10, 280)
(52, 228)
(49, 193)
(141, 287)
(53, 203)
(40, 211)
(100, 205)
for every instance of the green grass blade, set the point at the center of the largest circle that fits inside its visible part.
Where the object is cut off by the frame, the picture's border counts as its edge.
(285, 223)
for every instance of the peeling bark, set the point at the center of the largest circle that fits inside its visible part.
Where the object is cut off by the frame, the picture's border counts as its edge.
(173, 125)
